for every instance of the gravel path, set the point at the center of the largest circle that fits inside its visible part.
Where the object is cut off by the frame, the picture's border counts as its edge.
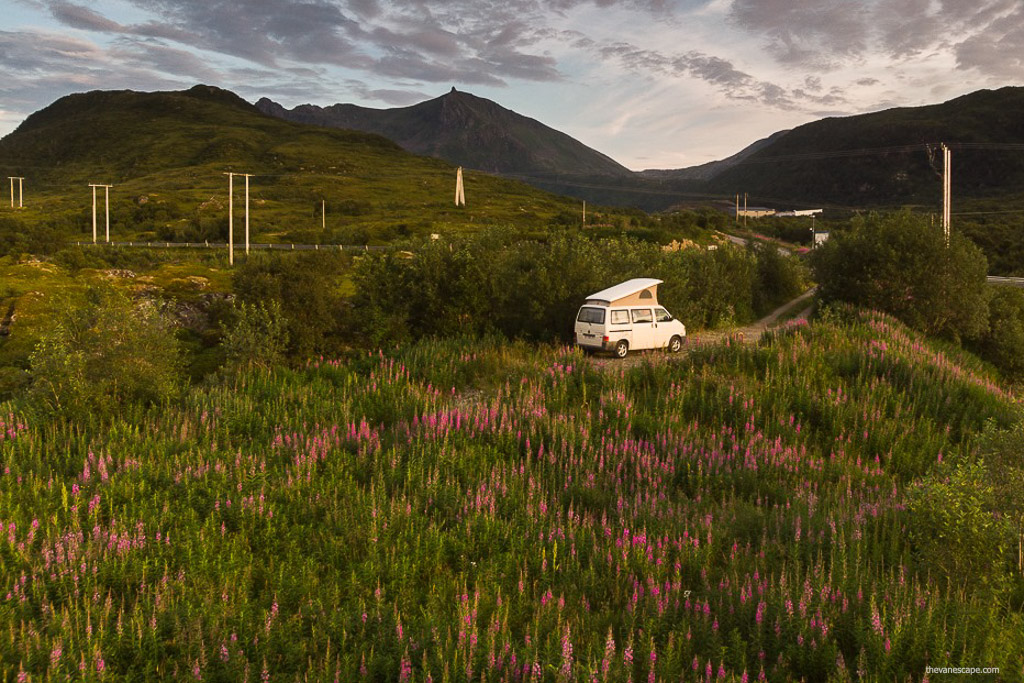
(747, 334)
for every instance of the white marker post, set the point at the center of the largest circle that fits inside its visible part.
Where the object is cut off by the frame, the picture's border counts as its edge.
(460, 192)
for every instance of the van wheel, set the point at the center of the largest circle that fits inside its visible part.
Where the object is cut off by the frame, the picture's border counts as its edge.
(675, 344)
(622, 349)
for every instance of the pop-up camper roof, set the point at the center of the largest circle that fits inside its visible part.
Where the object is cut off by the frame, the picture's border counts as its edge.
(640, 290)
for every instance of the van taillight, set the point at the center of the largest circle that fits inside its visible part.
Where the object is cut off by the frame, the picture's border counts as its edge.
(606, 337)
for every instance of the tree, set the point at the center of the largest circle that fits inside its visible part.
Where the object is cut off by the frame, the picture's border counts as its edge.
(901, 264)
(104, 353)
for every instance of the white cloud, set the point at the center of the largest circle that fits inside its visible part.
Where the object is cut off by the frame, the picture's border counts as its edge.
(649, 82)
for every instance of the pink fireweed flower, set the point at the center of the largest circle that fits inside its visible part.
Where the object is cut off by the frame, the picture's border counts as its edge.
(566, 670)
(876, 620)
(609, 653)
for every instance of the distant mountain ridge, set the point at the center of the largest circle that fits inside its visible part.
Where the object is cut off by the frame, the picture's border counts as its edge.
(891, 157)
(876, 159)
(466, 130)
(709, 170)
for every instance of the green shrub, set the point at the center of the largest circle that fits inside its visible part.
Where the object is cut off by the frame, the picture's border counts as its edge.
(779, 278)
(901, 264)
(258, 337)
(956, 528)
(525, 288)
(1003, 345)
(13, 380)
(103, 354)
(308, 288)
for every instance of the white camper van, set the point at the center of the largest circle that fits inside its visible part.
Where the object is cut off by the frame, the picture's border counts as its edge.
(627, 318)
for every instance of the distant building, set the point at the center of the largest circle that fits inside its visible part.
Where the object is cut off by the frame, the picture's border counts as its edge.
(820, 237)
(802, 213)
(755, 212)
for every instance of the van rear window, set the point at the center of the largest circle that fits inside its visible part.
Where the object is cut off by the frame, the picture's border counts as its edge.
(589, 314)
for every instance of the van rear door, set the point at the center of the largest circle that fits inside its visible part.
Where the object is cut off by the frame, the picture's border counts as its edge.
(590, 325)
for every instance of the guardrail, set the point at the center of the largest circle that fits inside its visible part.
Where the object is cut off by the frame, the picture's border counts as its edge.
(1010, 281)
(238, 247)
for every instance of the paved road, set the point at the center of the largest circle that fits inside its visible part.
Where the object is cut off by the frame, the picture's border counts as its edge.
(238, 247)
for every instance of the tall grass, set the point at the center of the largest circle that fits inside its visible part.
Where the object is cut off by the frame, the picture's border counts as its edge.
(471, 510)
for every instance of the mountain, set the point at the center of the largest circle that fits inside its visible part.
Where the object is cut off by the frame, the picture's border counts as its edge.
(891, 157)
(465, 130)
(166, 154)
(711, 169)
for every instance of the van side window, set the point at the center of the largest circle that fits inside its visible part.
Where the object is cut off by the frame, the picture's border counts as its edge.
(661, 315)
(620, 317)
(642, 315)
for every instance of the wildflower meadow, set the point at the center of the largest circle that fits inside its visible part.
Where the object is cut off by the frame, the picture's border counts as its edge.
(475, 510)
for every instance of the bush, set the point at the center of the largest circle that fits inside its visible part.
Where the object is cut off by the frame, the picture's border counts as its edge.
(498, 282)
(900, 264)
(308, 289)
(955, 527)
(104, 354)
(258, 337)
(1003, 345)
(779, 278)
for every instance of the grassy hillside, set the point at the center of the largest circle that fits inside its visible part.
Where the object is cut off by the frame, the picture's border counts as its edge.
(165, 154)
(472, 511)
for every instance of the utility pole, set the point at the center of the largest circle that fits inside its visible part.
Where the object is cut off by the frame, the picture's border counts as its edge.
(947, 189)
(231, 218)
(106, 192)
(737, 208)
(247, 176)
(744, 209)
(460, 192)
(12, 179)
(323, 214)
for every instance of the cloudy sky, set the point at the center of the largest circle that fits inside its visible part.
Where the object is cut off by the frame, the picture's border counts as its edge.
(651, 83)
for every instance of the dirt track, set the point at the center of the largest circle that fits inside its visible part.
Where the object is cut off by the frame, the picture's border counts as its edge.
(747, 334)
